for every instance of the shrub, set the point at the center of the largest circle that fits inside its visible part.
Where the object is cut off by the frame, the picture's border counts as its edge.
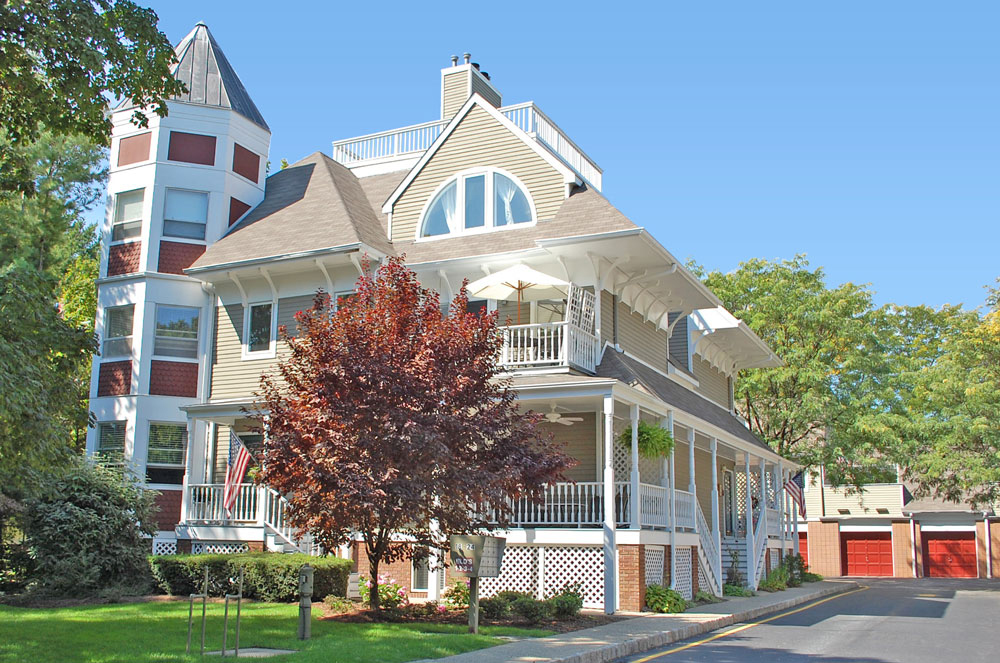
(267, 576)
(811, 577)
(796, 568)
(706, 597)
(494, 608)
(733, 575)
(89, 531)
(531, 610)
(16, 567)
(457, 596)
(338, 605)
(775, 581)
(736, 590)
(663, 599)
(391, 594)
(568, 601)
(509, 595)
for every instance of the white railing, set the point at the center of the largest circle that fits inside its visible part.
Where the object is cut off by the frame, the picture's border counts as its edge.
(584, 348)
(760, 543)
(580, 504)
(685, 503)
(549, 344)
(773, 523)
(709, 553)
(206, 504)
(653, 507)
(396, 143)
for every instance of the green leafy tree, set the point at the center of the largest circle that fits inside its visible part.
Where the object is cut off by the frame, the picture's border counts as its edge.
(60, 62)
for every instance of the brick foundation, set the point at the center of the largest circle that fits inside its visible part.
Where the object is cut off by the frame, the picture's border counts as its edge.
(695, 585)
(631, 578)
(169, 504)
(400, 570)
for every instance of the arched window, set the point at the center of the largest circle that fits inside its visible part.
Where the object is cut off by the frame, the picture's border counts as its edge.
(477, 201)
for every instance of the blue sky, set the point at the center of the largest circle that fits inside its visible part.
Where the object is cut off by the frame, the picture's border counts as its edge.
(864, 134)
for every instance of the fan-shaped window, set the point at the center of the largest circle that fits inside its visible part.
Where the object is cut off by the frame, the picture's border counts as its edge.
(477, 201)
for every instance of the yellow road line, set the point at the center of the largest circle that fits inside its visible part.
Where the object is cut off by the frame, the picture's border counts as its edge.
(744, 627)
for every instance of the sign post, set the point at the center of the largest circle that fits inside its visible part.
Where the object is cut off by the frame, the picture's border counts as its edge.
(476, 557)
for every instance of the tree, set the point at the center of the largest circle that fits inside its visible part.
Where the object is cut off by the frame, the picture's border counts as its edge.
(389, 419)
(62, 60)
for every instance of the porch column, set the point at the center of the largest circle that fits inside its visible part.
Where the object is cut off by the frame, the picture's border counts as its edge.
(748, 520)
(610, 563)
(780, 488)
(673, 504)
(795, 529)
(635, 515)
(692, 484)
(714, 446)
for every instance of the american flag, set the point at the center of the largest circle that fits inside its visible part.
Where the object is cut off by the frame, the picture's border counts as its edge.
(795, 492)
(236, 468)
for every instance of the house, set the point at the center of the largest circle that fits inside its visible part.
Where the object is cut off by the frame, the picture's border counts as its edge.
(885, 531)
(205, 256)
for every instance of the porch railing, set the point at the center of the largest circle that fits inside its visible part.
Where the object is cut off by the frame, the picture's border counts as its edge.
(581, 504)
(206, 504)
(709, 553)
(773, 523)
(653, 506)
(548, 344)
(686, 505)
(760, 543)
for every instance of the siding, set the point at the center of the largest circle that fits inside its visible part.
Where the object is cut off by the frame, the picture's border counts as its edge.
(642, 339)
(887, 495)
(581, 443)
(479, 85)
(711, 382)
(679, 340)
(479, 140)
(222, 447)
(508, 309)
(456, 92)
(232, 377)
(607, 317)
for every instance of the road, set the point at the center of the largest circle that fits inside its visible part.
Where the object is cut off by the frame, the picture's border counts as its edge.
(904, 621)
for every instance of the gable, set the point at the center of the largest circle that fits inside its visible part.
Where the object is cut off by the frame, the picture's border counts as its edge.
(478, 140)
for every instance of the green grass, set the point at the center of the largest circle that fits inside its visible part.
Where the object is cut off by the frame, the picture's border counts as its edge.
(158, 632)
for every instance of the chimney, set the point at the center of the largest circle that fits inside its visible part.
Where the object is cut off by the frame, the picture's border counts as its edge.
(461, 81)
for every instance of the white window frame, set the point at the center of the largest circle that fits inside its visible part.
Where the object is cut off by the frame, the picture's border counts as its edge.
(488, 227)
(342, 293)
(183, 464)
(105, 338)
(114, 218)
(163, 226)
(197, 352)
(272, 350)
(413, 574)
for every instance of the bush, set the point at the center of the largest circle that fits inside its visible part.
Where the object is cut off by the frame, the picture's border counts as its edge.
(736, 590)
(811, 577)
(270, 577)
(89, 532)
(457, 596)
(568, 602)
(494, 608)
(775, 581)
(391, 594)
(16, 567)
(663, 599)
(531, 610)
(706, 597)
(796, 568)
(338, 605)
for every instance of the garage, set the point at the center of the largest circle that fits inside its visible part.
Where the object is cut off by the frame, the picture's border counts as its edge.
(866, 553)
(949, 554)
(804, 547)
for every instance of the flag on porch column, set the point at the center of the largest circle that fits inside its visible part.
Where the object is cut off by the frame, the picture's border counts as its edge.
(795, 492)
(236, 468)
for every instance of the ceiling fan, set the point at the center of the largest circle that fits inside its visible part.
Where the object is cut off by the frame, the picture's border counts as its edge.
(554, 417)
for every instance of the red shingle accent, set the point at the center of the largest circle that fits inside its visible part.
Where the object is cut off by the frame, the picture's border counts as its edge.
(169, 504)
(173, 378)
(124, 258)
(237, 208)
(176, 256)
(246, 163)
(134, 149)
(115, 378)
(191, 148)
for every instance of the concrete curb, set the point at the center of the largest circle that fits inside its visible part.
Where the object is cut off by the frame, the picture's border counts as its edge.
(638, 645)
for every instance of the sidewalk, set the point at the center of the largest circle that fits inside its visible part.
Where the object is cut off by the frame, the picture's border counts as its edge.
(632, 636)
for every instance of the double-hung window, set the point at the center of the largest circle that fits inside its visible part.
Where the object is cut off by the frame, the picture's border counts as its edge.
(127, 220)
(111, 441)
(165, 453)
(475, 201)
(260, 331)
(185, 214)
(176, 332)
(118, 331)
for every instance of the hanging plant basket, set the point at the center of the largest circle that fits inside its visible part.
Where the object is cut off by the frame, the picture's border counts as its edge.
(654, 441)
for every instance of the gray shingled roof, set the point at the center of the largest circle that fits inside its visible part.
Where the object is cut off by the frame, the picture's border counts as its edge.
(314, 204)
(622, 367)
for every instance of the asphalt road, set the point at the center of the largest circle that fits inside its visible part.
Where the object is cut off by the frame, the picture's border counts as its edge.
(904, 621)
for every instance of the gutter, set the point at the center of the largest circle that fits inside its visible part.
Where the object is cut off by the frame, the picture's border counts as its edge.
(224, 266)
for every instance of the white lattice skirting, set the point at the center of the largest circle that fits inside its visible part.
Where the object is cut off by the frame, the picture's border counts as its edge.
(703, 579)
(217, 548)
(164, 546)
(775, 559)
(654, 565)
(545, 570)
(682, 574)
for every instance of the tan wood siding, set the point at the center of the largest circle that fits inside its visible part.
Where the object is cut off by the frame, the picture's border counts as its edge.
(580, 440)
(607, 317)
(481, 87)
(885, 496)
(641, 339)
(222, 447)
(508, 309)
(479, 140)
(456, 92)
(712, 383)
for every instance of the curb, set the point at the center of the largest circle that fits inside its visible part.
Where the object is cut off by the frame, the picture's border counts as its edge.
(639, 645)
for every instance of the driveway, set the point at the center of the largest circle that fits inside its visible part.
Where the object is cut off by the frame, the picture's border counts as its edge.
(904, 621)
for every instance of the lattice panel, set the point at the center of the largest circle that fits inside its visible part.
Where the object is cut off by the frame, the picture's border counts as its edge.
(775, 557)
(651, 470)
(519, 572)
(682, 578)
(703, 579)
(217, 548)
(571, 564)
(772, 498)
(654, 565)
(164, 546)
(622, 460)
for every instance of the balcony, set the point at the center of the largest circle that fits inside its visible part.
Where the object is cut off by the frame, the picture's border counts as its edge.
(413, 140)
(551, 344)
(581, 505)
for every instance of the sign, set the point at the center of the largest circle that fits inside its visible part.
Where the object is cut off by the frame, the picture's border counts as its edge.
(477, 556)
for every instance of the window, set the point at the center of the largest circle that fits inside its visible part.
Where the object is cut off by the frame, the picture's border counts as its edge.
(260, 329)
(127, 221)
(118, 331)
(421, 574)
(185, 214)
(111, 441)
(165, 453)
(476, 202)
(176, 332)
(343, 297)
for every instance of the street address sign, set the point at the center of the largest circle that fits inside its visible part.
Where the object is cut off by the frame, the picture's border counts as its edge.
(476, 556)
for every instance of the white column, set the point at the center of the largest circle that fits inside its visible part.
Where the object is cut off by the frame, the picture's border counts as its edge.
(692, 484)
(714, 446)
(635, 513)
(763, 497)
(748, 520)
(780, 488)
(610, 565)
(673, 502)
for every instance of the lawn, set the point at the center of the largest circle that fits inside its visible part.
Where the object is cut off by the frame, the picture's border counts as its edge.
(127, 633)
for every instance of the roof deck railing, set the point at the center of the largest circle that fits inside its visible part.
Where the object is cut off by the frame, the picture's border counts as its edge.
(414, 140)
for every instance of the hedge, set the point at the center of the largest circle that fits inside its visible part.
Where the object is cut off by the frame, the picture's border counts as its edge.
(272, 577)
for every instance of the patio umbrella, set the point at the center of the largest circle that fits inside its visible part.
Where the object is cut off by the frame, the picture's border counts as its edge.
(526, 283)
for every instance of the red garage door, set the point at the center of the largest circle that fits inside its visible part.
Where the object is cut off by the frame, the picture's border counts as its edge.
(866, 553)
(950, 554)
(804, 546)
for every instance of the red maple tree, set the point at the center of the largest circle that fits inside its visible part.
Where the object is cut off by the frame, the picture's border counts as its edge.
(390, 419)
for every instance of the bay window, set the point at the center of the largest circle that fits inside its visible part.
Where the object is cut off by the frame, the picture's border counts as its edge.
(118, 331)
(165, 453)
(185, 214)
(127, 220)
(176, 332)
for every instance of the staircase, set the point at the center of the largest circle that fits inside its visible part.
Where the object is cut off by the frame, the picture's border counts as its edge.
(732, 545)
(278, 534)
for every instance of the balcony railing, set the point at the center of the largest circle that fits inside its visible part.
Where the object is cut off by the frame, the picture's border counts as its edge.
(549, 344)
(206, 504)
(412, 140)
(581, 504)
